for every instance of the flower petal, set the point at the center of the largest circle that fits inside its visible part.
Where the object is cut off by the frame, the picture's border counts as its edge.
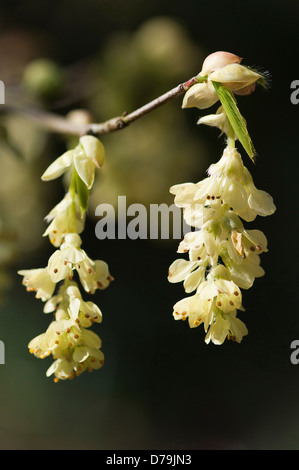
(59, 166)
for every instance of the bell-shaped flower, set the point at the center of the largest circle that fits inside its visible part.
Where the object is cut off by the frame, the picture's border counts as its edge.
(94, 275)
(191, 272)
(62, 368)
(196, 310)
(62, 261)
(40, 281)
(259, 201)
(68, 209)
(240, 254)
(85, 313)
(218, 288)
(226, 326)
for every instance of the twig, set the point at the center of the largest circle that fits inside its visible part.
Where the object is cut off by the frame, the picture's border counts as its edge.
(56, 123)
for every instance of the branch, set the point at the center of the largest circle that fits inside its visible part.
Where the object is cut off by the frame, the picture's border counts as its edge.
(56, 123)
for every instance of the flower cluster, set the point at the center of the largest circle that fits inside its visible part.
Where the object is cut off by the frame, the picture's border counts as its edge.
(73, 346)
(223, 255)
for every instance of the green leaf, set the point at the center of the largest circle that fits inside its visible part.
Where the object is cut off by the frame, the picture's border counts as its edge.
(83, 193)
(235, 118)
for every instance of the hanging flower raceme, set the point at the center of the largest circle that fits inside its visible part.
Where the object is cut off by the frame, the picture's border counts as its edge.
(223, 255)
(68, 339)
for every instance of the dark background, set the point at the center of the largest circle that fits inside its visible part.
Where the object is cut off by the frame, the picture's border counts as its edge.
(162, 386)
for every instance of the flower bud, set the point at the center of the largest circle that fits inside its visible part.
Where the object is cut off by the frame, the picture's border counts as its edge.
(200, 95)
(218, 60)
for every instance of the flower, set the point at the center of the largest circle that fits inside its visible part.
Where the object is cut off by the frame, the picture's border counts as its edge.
(93, 274)
(215, 304)
(60, 216)
(73, 346)
(88, 155)
(86, 312)
(231, 183)
(38, 280)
